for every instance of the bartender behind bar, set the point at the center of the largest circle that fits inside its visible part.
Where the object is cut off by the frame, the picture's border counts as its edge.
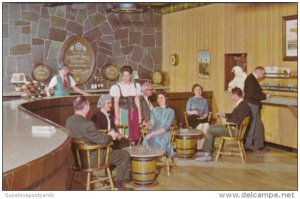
(61, 84)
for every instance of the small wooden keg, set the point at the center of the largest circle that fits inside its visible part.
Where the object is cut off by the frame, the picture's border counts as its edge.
(185, 146)
(143, 170)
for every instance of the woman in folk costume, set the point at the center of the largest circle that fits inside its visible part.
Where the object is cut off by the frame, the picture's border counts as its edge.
(126, 104)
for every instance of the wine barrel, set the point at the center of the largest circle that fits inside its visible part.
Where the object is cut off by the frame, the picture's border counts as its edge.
(110, 72)
(143, 170)
(185, 146)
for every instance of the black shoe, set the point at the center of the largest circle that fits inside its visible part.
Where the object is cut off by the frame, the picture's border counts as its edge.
(262, 149)
(249, 150)
(127, 180)
(124, 189)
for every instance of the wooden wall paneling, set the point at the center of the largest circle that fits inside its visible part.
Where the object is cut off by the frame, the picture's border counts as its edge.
(252, 28)
(223, 28)
(287, 128)
(239, 27)
(178, 100)
(282, 131)
(271, 126)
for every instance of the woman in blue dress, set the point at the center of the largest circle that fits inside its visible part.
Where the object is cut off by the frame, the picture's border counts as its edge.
(197, 111)
(161, 119)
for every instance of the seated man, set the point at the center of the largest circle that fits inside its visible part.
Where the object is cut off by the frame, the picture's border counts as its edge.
(83, 128)
(104, 121)
(237, 116)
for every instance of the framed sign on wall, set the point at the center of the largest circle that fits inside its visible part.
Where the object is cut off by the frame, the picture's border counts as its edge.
(289, 38)
(78, 55)
(203, 61)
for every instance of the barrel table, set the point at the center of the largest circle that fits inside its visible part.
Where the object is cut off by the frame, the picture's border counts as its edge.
(143, 163)
(186, 142)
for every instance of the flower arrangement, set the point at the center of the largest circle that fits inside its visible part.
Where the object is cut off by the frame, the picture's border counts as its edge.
(33, 90)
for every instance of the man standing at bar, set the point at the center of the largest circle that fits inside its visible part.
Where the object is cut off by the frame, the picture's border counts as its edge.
(253, 96)
(61, 84)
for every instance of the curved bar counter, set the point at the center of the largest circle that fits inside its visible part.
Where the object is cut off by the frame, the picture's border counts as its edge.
(33, 163)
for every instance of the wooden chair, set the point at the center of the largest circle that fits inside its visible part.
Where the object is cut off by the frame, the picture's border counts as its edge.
(143, 131)
(122, 128)
(103, 131)
(187, 121)
(172, 134)
(237, 137)
(173, 129)
(82, 162)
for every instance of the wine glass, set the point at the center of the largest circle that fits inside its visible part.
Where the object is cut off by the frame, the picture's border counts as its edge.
(180, 126)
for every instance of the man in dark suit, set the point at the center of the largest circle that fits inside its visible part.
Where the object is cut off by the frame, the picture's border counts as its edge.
(253, 96)
(145, 103)
(239, 113)
(82, 128)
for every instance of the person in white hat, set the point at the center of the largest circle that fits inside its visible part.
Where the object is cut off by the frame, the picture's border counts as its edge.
(61, 84)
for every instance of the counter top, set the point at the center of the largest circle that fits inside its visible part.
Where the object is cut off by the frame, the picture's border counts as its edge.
(19, 147)
(283, 101)
(12, 94)
(107, 90)
(18, 94)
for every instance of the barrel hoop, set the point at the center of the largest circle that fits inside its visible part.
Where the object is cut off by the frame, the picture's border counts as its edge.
(185, 149)
(142, 160)
(143, 182)
(142, 173)
(185, 137)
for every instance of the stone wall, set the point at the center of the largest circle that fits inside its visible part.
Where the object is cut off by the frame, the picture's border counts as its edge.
(34, 34)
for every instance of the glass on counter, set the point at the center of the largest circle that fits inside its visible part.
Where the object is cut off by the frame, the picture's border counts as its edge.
(271, 86)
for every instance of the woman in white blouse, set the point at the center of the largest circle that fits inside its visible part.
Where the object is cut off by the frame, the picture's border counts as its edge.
(126, 104)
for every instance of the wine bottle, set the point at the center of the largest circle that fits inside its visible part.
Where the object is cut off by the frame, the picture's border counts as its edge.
(98, 83)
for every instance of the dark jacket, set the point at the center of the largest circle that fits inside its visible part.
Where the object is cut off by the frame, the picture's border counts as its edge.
(252, 90)
(145, 109)
(83, 128)
(100, 121)
(239, 113)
